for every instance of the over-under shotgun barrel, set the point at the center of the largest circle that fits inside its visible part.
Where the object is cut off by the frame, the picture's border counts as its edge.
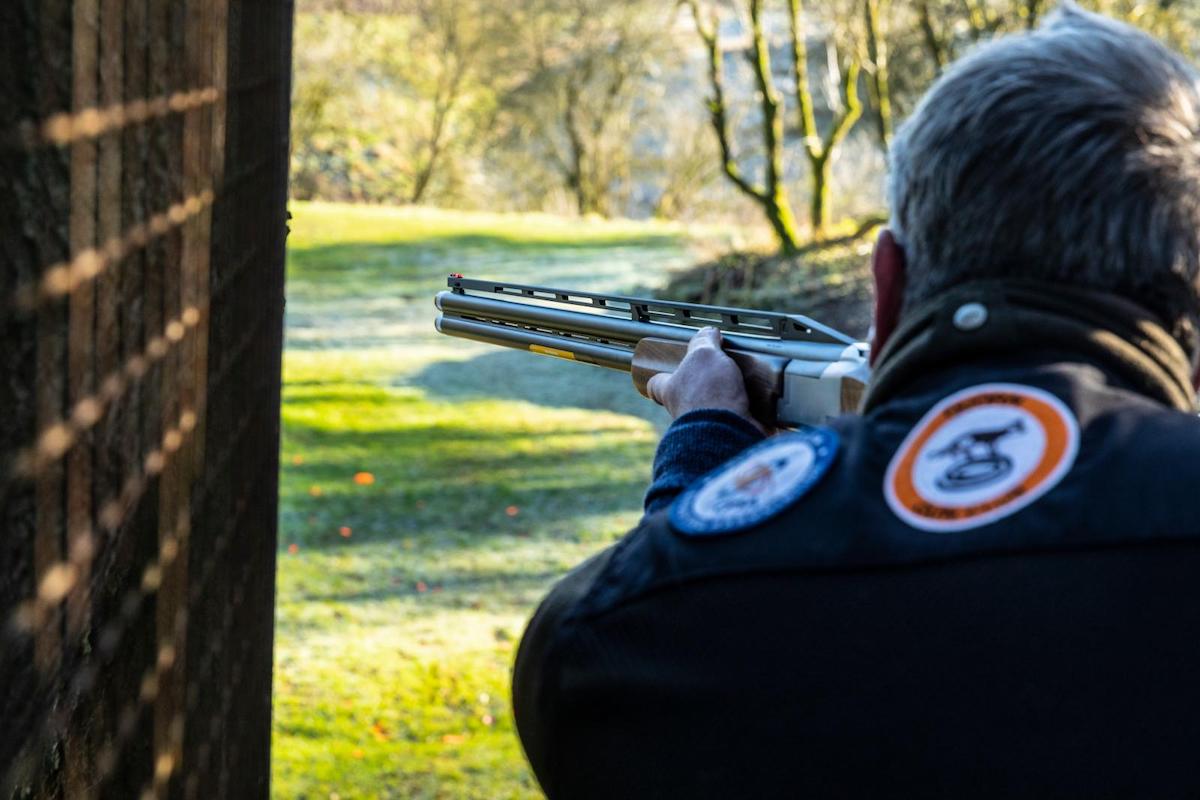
(619, 330)
(549, 345)
(796, 369)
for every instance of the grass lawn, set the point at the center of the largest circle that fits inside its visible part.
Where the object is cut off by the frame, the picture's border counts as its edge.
(432, 489)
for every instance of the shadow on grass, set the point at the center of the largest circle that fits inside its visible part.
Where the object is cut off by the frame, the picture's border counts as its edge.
(544, 381)
(452, 516)
(452, 487)
(477, 590)
(450, 591)
(446, 434)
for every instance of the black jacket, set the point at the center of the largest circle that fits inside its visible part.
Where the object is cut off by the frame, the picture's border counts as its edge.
(1016, 616)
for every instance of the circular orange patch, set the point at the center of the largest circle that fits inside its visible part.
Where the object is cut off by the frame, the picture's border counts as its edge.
(980, 455)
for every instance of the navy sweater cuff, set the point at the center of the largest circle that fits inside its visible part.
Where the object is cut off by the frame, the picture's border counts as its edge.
(695, 444)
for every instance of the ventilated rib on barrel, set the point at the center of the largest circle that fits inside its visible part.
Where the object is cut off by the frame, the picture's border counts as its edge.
(797, 370)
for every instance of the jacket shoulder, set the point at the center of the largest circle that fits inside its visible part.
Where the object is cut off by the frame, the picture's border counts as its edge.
(1137, 473)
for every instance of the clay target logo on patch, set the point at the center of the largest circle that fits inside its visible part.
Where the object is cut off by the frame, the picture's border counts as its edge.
(980, 455)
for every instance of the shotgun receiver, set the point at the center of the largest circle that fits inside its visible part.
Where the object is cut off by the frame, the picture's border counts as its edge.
(797, 370)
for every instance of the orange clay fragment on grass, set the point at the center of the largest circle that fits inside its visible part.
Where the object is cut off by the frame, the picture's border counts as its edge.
(293, 548)
(512, 511)
(364, 478)
(454, 738)
(345, 531)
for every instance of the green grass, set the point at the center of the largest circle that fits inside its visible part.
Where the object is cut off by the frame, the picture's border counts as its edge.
(401, 598)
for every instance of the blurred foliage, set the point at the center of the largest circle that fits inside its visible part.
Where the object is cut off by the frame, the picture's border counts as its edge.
(546, 104)
(602, 106)
(591, 88)
(375, 117)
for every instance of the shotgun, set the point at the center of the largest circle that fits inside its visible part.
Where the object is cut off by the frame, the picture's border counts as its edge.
(797, 371)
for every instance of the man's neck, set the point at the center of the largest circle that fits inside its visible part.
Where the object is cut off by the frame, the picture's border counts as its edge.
(999, 317)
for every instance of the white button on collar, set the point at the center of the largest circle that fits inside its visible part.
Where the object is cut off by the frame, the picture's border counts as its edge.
(970, 316)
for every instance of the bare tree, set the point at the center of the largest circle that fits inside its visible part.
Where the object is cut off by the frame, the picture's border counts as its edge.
(447, 87)
(445, 66)
(820, 148)
(771, 195)
(585, 65)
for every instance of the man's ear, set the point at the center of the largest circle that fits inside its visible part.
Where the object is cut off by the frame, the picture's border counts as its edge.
(887, 264)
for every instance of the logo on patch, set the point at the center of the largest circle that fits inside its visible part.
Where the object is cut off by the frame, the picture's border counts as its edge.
(980, 455)
(756, 485)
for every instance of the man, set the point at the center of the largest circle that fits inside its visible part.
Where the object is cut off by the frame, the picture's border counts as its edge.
(986, 584)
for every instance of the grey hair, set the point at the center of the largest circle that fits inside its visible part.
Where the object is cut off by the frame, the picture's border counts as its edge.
(1070, 154)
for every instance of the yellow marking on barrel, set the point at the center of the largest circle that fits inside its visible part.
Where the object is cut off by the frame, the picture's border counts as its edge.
(552, 351)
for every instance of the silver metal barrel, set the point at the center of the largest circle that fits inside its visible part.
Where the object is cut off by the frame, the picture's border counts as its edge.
(620, 330)
(546, 344)
(824, 370)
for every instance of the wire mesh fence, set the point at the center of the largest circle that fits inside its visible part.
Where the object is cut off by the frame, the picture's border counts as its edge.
(143, 158)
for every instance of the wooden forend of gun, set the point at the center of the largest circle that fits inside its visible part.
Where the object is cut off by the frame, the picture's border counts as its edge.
(797, 370)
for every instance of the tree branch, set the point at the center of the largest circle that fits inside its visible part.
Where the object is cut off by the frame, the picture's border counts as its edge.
(878, 56)
(850, 112)
(716, 104)
(804, 101)
(772, 125)
(938, 50)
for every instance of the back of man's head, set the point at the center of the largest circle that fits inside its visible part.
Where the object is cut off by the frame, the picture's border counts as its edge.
(1070, 155)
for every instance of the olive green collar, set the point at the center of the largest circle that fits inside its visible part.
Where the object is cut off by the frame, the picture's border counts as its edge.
(996, 317)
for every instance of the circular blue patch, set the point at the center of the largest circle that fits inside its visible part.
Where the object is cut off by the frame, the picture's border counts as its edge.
(756, 485)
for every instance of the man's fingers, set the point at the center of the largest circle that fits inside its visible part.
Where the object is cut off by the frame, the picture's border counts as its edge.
(705, 337)
(656, 385)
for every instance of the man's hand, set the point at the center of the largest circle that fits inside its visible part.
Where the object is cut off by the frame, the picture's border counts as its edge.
(706, 378)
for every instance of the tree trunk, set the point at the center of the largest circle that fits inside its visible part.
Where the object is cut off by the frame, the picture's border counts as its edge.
(424, 175)
(425, 171)
(783, 222)
(880, 89)
(581, 202)
(772, 198)
(818, 149)
(576, 176)
(777, 206)
(449, 91)
(934, 45)
(822, 169)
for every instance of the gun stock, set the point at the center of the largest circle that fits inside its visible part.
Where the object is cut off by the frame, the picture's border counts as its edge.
(797, 371)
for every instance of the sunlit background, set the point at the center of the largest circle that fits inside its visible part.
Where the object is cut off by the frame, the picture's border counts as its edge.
(433, 488)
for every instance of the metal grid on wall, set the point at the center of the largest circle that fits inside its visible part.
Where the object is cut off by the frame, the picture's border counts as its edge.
(143, 159)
